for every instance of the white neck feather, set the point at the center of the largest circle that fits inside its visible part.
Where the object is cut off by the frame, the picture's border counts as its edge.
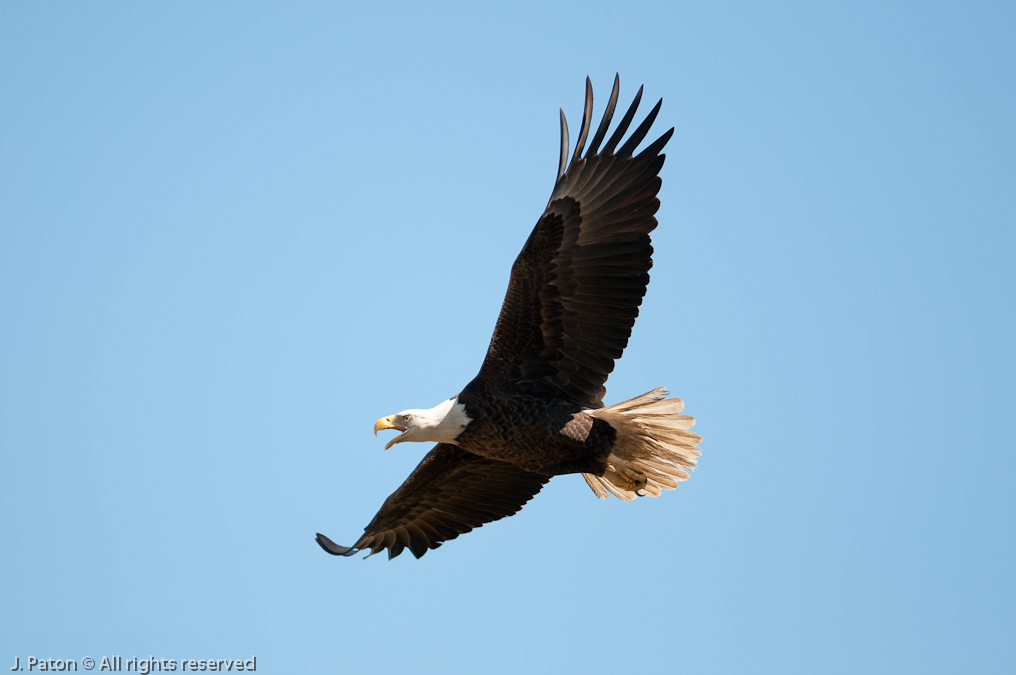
(443, 423)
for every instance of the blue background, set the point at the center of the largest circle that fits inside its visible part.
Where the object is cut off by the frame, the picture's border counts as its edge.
(233, 235)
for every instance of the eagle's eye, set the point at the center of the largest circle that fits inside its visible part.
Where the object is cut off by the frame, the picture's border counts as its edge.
(407, 418)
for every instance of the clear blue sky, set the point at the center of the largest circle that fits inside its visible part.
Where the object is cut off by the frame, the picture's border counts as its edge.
(232, 236)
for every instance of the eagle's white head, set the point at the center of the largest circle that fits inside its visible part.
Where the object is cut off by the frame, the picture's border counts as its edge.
(441, 424)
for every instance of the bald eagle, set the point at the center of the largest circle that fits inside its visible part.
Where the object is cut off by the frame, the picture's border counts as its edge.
(535, 410)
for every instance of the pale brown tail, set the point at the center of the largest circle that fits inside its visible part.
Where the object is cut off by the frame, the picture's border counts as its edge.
(652, 439)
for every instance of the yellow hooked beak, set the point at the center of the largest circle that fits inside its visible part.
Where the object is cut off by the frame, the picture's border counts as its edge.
(388, 423)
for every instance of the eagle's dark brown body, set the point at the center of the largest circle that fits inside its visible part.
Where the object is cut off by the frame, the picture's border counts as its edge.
(548, 436)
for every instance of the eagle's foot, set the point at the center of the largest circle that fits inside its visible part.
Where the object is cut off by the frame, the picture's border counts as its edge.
(633, 479)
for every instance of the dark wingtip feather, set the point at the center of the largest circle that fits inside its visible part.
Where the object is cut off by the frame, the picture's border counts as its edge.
(587, 117)
(640, 133)
(564, 146)
(657, 145)
(331, 547)
(608, 114)
(623, 126)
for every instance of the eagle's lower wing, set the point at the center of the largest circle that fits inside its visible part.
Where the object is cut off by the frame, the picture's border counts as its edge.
(576, 287)
(450, 493)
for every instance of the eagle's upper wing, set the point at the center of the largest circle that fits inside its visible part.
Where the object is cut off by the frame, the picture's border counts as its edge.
(450, 493)
(576, 287)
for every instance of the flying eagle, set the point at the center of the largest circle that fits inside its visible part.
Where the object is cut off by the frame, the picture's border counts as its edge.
(535, 410)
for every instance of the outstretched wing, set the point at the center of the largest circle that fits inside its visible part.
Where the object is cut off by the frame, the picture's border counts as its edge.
(450, 493)
(576, 287)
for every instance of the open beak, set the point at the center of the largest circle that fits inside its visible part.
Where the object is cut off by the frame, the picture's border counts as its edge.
(386, 423)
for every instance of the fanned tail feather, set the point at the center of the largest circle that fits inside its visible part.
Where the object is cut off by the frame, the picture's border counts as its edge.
(653, 439)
